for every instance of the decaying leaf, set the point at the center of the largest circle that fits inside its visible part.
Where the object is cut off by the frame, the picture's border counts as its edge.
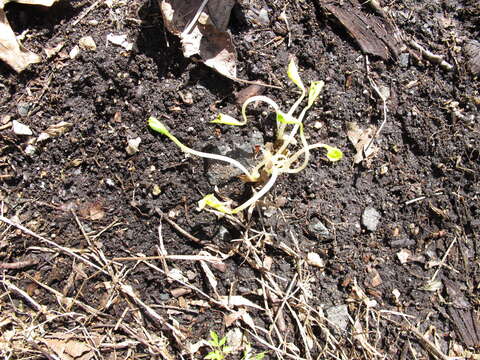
(362, 141)
(207, 37)
(237, 300)
(70, 349)
(55, 130)
(11, 51)
(92, 211)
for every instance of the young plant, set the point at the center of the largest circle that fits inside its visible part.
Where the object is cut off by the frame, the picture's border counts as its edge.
(219, 347)
(249, 355)
(278, 158)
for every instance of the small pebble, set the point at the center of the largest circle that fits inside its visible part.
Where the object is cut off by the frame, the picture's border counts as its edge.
(23, 108)
(30, 150)
(74, 52)
(338, 315)
(314, 259)
(87, 43)
(21, 129)
(317, 227)
(404, 60)
(371, 218)
(133, 144)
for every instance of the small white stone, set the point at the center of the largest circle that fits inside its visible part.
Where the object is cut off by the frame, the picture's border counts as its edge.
(30, 150)
(314, 259)
(74, 52)
(87, 43)
(133, 144)
(120, 40)
(21, 129)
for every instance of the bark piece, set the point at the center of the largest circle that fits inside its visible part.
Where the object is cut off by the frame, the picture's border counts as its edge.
(374, 34)
(465, 321)
(472, 50)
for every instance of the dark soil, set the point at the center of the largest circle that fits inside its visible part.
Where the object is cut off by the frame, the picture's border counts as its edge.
(423, 180)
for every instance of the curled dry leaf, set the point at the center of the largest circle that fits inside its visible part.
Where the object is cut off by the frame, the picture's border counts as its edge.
(237, 300)
(92, 211)
(55, 130)
(361, 140)
(11, 51)
(70, 349)
(208, 37)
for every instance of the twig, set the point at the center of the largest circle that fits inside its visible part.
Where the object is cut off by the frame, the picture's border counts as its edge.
(194, 20)
(433, 58)
(18, 265)
(128, 290)
(181, 230)
(384, 101)
(426, 344)
(442, 262)
(85, 12)
(211, 259)
(23, 294)
(66, 300)
(51, 243)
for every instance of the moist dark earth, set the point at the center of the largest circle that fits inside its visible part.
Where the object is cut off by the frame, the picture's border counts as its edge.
(422, 259)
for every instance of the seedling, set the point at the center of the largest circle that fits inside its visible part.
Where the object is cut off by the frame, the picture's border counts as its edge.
(249, 355)
(219, 347)
(277, 157)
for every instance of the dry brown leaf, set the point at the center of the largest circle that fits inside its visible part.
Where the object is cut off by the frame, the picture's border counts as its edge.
(208, 38)
(208, 273)
(55, 130)
(92, 211)
(237, 300)
(361, 140)
(70, 349)
(11, 51)
(230, 318)
(49, 52)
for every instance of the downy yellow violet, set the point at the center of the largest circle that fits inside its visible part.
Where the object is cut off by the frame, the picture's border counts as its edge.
(277, 158)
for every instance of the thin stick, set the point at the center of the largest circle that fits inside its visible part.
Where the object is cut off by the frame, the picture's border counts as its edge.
(184, 232)
(51, 243)
(433, 58)
(86, 12)
(66, 300)
(195, 18)
(442, 263)
(18, 265)
(23, 294)
(211, 259)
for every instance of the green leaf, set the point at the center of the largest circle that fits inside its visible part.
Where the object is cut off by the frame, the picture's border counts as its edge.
(227, 120)
(214, 355)
(213, 334)
(224, 207)
(313, 92)
(286, 119)
(333, 154)
(222, 341)
(292, 73)
(226, 349)
(158, 126)
(260, 356)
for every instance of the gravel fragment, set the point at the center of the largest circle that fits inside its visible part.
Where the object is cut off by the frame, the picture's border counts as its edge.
(371, 218)
(318, 228)
(338, 315)
(21, 129)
